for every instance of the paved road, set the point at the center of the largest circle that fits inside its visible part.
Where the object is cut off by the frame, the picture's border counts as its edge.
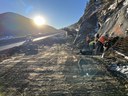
(11, 45)
(22, 42)
(56, 71)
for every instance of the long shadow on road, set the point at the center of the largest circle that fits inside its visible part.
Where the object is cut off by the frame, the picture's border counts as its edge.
(56, 72)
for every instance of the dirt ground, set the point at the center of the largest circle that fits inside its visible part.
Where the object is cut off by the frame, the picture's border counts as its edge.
(57, 71)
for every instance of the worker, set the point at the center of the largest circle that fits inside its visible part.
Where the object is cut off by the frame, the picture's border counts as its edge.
(92, 45)
(96, 37)
(110, 44)
(87, 40)
(100, 43)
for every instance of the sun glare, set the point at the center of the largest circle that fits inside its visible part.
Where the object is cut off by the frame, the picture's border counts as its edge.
(39, 20)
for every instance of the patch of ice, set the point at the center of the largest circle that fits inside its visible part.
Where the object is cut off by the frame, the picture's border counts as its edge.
(87, 74)
(74, 76)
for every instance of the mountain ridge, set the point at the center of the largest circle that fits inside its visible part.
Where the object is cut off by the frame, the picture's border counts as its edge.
(17, 25)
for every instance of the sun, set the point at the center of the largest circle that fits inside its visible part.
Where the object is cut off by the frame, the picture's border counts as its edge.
(39, 20)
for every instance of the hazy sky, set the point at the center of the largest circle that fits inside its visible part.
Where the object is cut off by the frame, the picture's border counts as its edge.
(58, 13)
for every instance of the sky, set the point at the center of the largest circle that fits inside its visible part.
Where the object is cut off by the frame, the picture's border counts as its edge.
(58, 13)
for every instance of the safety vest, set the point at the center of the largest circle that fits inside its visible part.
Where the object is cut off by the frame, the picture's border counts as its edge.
(102, 39)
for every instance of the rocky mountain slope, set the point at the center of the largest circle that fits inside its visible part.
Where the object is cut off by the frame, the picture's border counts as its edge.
(12, 24)
(102, 16)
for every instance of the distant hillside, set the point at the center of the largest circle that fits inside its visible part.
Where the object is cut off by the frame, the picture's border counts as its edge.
(16, 25)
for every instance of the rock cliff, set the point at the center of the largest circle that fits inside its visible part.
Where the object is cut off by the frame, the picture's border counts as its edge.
(102, 16)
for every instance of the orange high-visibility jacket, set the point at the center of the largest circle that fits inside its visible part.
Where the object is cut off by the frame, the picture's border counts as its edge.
(102, 39)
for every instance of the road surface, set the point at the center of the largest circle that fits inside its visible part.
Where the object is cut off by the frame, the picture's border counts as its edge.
(2, 48)
(57, 71)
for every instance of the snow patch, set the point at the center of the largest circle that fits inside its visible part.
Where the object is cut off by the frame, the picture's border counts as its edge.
(125, 3)
(113, 6)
